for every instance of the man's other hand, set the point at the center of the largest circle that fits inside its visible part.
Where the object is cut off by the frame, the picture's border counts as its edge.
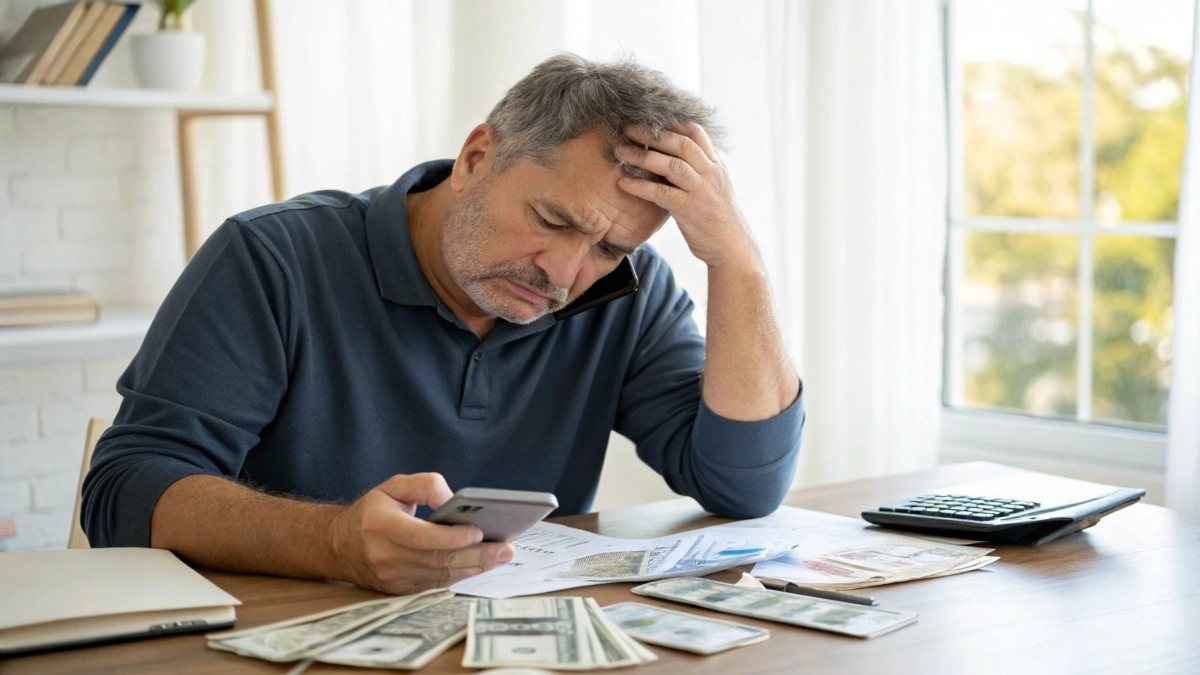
(378, 543)
(698, 194)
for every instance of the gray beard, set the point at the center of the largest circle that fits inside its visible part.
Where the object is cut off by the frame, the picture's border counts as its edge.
(461, 242)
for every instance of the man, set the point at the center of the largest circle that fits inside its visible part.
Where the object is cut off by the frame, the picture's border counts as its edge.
(469, 325)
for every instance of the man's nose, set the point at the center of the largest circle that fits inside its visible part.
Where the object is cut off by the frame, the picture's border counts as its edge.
(563, 260)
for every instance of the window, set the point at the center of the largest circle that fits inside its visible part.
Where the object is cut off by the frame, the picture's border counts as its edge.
(1067, 127)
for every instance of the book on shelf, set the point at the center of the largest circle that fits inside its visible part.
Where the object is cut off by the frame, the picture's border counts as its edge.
(89, 51)
(91, 15)
(94, 37)
(123, 21)
(27, 55)
(36, 307)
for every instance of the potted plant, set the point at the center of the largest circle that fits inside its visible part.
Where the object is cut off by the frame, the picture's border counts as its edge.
(172, 57)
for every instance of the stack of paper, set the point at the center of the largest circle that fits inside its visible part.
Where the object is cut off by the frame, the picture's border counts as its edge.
(551, 557)
(838, 553)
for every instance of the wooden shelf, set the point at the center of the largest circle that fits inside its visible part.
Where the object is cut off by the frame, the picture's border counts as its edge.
(115, 334)
(146, 99)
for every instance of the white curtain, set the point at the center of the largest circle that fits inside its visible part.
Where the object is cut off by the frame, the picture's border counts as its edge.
(834, 110)
(874, 227)
(1183, 441)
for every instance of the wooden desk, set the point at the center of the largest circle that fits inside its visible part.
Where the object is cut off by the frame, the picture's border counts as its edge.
(1122, 597)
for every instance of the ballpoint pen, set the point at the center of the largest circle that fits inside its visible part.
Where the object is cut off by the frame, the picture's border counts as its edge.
(790, 587)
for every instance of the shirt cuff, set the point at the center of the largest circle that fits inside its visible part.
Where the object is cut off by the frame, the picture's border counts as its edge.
(142, 486)
(756, 445)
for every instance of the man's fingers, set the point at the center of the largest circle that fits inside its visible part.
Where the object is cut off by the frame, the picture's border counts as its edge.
(427, 569)
(673, 144)
(699, 137)
(479, 557)
(418, 488)
(665, 196)
(421, 535)
(672, 168)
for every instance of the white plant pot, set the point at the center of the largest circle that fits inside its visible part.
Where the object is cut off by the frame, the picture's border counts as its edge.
(169, 59)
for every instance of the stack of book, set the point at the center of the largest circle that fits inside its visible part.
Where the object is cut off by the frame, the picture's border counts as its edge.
(65, 43)
(31, 308)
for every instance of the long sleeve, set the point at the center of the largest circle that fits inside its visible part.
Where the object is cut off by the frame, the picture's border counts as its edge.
(732, 468)
(209, 376)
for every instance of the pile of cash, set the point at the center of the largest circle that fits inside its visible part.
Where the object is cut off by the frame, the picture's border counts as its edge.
(829, 615)
(556, 633)
(403, 633)
(679, 630)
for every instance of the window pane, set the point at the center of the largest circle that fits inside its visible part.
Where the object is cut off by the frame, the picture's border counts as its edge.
(1142, 49)
(1131, 365)
(1018, 307)
(1020, 64)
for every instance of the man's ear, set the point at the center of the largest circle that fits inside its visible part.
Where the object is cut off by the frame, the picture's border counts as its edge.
(475, 159)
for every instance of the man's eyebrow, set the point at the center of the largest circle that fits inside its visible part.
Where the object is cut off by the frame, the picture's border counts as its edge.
(561, 213)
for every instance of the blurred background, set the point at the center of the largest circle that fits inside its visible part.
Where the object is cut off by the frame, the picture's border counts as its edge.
(974, 212)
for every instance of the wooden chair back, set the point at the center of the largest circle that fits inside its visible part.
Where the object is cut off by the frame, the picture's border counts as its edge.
(95, 427)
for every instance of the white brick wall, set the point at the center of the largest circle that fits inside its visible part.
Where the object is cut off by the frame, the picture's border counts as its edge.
(43, 416)
(88, 198)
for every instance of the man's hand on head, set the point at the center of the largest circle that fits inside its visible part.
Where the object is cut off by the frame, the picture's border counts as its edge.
(378, 543)
(698, 194)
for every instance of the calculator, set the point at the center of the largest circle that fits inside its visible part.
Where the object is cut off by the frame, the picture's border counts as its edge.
(998, 519)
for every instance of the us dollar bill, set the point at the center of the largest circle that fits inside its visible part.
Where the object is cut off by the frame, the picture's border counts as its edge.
(680, 630)
(407, 641)
(304, 636)
(617, 649)
(285, 640)
(828, 615)
(548, 632)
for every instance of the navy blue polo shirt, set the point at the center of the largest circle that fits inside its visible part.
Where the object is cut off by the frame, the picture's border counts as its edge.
(302, 352)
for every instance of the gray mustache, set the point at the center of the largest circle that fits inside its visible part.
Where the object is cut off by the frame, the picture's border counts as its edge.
(533, 277)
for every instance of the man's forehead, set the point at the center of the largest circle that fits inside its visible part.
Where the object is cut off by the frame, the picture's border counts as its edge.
(619, 233)
(580, 182)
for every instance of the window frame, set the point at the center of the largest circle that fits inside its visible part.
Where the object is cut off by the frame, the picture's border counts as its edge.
(1008, 435)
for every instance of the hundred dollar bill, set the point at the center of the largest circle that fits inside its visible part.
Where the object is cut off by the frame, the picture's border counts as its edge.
(907, 559)
(829, 615)
(680, 630)
(548, 632)
(293, 639)
(408, 641)
(415, 603)
(617, 649)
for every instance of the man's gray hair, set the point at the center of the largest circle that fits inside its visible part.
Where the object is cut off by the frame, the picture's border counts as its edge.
(567, 95)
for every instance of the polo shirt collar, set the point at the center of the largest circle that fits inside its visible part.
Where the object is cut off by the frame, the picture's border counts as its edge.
(388, 242)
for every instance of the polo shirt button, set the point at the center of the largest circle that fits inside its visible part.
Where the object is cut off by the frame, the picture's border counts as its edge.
(478, 356)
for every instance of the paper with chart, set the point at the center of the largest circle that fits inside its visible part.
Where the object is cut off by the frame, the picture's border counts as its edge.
(839, 553)
(551, 557)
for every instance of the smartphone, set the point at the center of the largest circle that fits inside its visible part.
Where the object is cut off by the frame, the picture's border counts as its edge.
(501, 514)
(616, 284)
